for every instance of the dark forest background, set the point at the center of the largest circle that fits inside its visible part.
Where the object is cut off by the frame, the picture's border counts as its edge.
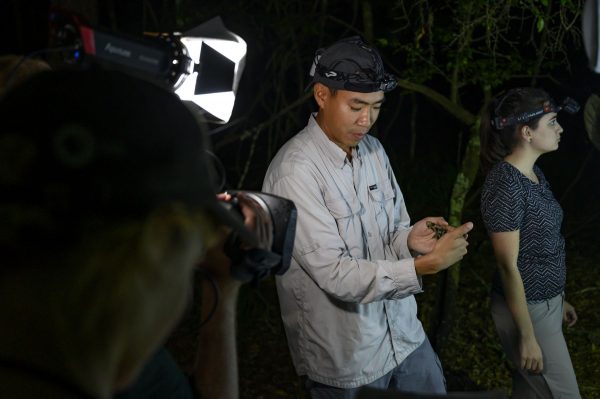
(451, 56)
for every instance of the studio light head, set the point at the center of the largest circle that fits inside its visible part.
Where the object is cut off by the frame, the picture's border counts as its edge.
(202, 65)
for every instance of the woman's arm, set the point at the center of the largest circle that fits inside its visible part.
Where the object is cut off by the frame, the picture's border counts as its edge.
(506, 248)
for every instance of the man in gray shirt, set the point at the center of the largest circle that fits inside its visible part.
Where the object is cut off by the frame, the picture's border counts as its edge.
(347, 300)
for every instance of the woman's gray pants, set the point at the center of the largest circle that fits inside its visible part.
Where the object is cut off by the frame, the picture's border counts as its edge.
(557, 380)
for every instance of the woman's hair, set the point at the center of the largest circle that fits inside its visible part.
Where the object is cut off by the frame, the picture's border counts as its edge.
(496, 143)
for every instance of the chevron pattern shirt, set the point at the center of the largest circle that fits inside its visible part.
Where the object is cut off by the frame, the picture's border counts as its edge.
(509, 202)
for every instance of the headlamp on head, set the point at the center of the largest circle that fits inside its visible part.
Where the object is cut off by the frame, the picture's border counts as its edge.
(568, 104)
(361, 81)
(351, 64)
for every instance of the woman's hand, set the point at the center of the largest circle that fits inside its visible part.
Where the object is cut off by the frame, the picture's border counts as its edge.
(569, 314)
(531, 355)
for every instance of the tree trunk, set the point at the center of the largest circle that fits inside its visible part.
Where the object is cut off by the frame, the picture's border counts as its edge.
(450, 279)
(441, 321)
(367, 21)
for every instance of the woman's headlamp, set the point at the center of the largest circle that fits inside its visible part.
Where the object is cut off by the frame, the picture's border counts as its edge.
(568, 104)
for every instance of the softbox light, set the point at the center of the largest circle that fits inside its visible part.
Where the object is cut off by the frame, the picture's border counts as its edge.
(203, 65)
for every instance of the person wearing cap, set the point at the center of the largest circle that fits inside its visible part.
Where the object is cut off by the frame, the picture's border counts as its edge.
(523, 220)
(347, 300)
(106, 210)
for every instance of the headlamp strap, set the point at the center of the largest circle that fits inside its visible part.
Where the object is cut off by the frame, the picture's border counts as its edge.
(568, 104)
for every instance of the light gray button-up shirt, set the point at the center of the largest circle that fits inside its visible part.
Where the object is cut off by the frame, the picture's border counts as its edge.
(346, 300)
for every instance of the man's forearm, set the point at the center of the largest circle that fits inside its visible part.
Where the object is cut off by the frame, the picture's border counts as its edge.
(215, 371)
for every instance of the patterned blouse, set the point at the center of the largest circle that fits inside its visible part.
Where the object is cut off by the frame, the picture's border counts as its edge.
(509, 202)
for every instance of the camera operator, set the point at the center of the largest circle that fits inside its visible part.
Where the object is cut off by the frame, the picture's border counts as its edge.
(215, 370)
(106, 210)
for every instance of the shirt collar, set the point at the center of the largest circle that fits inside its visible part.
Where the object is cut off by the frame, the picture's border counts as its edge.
(335, 154)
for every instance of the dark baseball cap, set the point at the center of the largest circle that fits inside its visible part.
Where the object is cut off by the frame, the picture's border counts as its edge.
(85, 147)
(351, 64)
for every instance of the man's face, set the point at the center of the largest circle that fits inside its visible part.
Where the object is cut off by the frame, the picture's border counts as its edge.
(346, 116)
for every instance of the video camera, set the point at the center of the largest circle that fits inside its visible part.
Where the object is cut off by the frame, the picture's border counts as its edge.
(203, 67)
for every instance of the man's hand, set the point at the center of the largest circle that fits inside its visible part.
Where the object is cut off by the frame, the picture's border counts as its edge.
(530, 355)
(446, 251)
(421, 238)
(569, 314)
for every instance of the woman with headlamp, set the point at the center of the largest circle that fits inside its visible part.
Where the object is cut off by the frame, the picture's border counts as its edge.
(523, 220)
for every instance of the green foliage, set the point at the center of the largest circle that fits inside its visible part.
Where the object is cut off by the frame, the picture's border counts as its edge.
(481, 43)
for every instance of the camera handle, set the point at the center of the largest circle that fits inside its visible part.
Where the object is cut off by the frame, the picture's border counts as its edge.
(250, 265)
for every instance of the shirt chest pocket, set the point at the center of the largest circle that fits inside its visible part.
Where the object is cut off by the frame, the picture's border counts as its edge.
(382, 200)
(342, 207)
(346, 211)
(382, 197)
